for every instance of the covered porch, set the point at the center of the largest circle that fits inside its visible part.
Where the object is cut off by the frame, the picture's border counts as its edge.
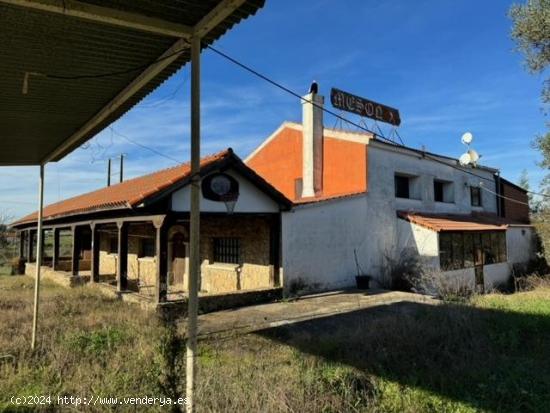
(147, 256)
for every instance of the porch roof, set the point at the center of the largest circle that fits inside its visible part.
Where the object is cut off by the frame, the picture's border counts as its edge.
(135, 192)
(69, 69)
(455, 222)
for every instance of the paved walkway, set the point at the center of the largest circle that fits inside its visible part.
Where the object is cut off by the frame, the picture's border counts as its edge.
(257, 317)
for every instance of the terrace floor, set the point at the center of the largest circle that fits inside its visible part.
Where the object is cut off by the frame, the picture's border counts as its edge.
(257, 317)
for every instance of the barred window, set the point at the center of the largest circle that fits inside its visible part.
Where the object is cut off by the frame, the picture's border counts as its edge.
(227, 250)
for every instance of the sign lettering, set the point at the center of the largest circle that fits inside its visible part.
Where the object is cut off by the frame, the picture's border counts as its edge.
(364, 107)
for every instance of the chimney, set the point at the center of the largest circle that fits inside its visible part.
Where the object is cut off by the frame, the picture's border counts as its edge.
(312, 136)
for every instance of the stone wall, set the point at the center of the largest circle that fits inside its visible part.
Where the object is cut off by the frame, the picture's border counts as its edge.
(140, 269)
(254, 271)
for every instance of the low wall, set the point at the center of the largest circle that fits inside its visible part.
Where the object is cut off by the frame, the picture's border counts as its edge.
(217, 302)
(64, 279)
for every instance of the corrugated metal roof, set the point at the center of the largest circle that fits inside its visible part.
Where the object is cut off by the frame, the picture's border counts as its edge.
(33, 125)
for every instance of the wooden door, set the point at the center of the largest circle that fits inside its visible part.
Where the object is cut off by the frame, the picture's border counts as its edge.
(179, 254)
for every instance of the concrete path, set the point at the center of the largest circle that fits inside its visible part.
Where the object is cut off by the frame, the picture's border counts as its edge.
(253, 318)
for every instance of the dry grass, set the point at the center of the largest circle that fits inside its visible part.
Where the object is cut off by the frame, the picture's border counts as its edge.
(488, 355)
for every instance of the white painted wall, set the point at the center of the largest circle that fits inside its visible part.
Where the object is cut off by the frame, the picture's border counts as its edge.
(495, 275)
(319, 238)
(251, 199)
(521, 246)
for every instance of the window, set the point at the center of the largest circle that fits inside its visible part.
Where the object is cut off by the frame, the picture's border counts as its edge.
(402, 186)
(227, 250)
(459, 250)
(438, 191)
(147, 247)
(443, 191)
(475, 196)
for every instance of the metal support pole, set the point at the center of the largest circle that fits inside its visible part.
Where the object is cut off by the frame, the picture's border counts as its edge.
(39, 245)
(194, 236)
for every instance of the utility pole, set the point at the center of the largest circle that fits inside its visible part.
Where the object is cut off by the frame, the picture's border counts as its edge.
(120, 171)
(109, 172)
(121, 167)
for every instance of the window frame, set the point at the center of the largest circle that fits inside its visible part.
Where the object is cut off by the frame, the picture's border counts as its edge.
(477, 190)
(400, 178)
(456, 257)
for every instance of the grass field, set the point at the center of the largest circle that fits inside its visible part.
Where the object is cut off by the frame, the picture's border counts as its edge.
(488, 355)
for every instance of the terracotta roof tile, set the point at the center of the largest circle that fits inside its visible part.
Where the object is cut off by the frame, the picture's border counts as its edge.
(455, 222)
(126, 194)
(321, 197)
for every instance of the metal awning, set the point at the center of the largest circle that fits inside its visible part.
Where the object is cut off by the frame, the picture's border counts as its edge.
(54, 94)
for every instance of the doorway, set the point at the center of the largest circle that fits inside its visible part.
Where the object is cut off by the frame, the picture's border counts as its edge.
(178, 259)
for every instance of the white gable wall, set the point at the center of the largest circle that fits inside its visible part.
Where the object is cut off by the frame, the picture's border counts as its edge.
(251, 199)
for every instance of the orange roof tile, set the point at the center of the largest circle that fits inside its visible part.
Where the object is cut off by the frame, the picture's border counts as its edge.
(450, 222)
(321, 197)
(124, 195)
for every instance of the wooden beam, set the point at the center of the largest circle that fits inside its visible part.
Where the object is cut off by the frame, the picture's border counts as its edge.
(55, 257)
(75, 253)
(122, 259)
(107, 16)
(94, 273)
(130, 90)
(21, 244)
(29, 245)
(161, 284)
(217, 15)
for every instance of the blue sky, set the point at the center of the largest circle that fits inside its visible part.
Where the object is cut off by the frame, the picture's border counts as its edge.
(449, 67)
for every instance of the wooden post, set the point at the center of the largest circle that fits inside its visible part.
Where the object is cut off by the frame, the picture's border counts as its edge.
(55, 257)
(94, 273)
(122, 261)
(29, 245)
(75, 256)
(21, 244)
(161, 264)
(274, 247)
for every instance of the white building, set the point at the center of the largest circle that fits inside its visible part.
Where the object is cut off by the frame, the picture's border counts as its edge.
(362, 205)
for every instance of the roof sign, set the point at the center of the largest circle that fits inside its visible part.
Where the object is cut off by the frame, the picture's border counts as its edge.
(364, 107)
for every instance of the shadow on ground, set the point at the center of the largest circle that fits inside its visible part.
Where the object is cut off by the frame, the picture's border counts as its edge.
(489, 359)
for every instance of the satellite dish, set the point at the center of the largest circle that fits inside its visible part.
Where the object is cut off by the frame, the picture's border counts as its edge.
(467, 138)
(465, 159)
(474, 156)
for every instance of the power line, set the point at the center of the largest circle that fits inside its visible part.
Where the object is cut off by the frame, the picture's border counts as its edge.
(153, 150)
(340, 117)
(504, 197)
(290, 91)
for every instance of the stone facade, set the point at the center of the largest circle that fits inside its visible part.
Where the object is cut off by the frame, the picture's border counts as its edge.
(254, 270)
